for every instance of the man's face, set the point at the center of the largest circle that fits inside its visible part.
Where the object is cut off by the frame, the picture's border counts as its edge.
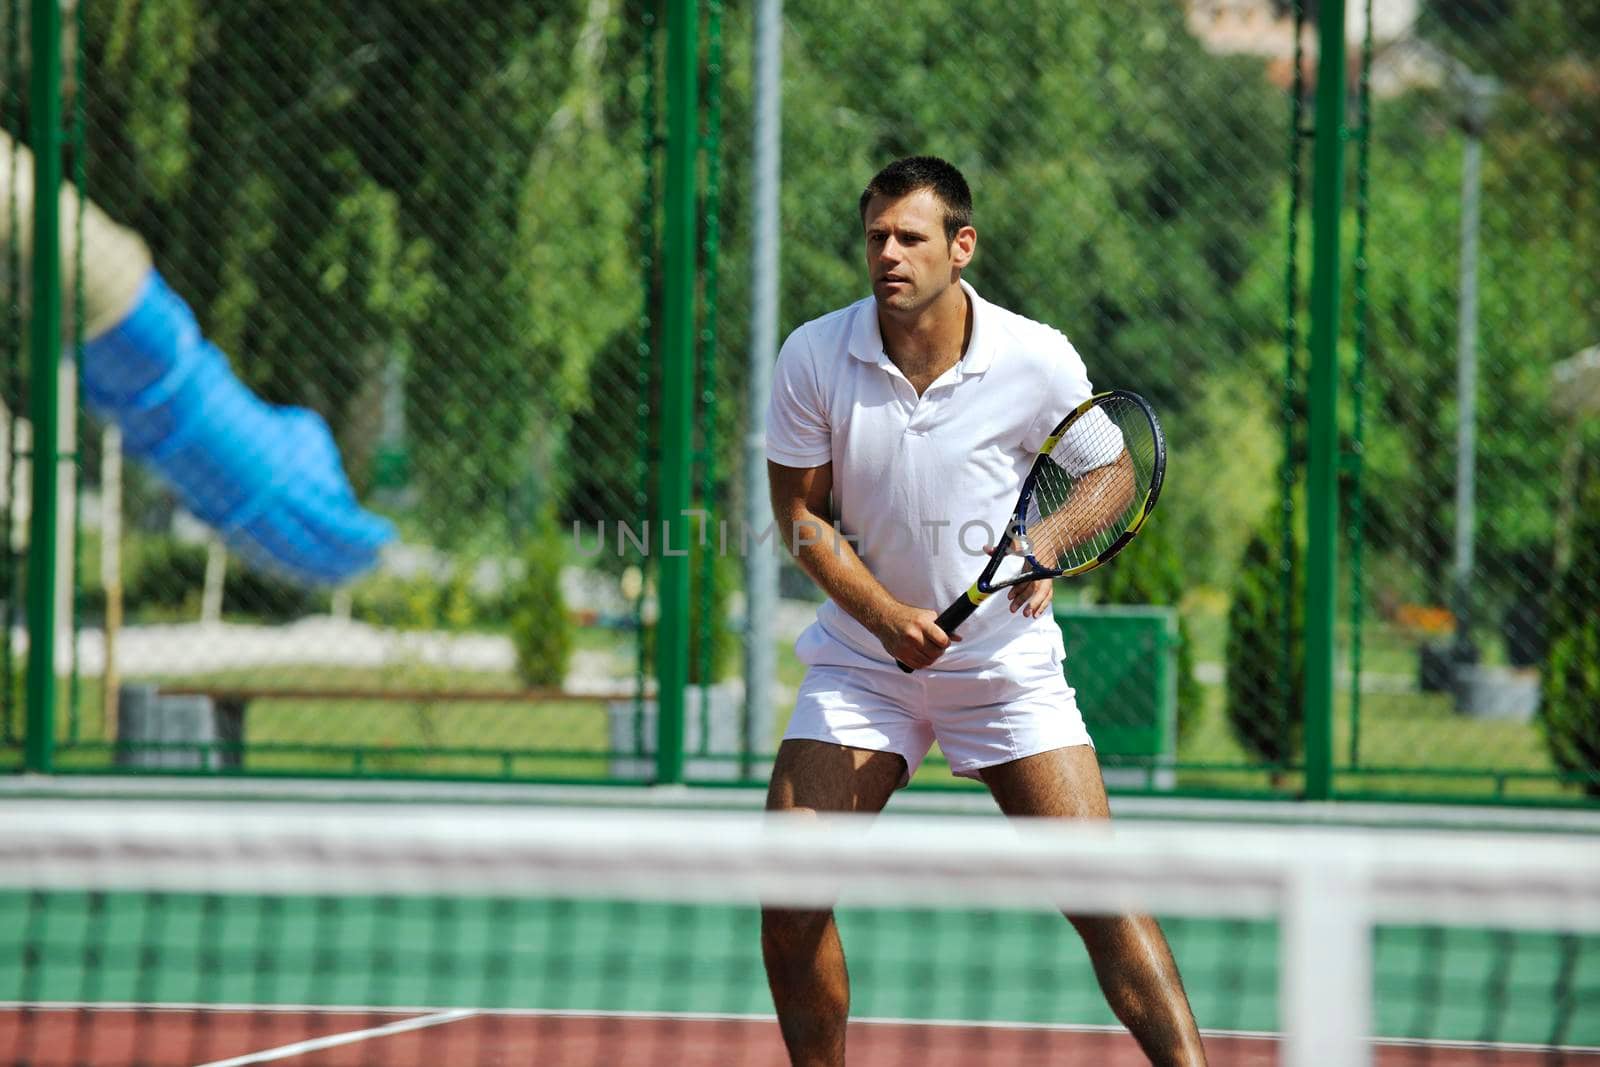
(909, 259)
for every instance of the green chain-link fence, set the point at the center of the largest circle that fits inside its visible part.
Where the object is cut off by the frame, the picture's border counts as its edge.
(1467, 604)
(1127, 189)
(428, 224)
(450, 231)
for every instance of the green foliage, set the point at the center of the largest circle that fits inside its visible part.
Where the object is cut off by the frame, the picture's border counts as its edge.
(713, 641)
(456, 188)
(336, 186)
(388, 600)
(1265, 702)
(165, 577)
(162, 574)
(1151, 571)
(541, 629)
(428, 601)
(1547, 51)
(14, 704)
(265, 597)
(1536, 193)
(1122, 175)
(1224, 471)
(1570, 709)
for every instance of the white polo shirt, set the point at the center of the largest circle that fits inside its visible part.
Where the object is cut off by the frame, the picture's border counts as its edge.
(920, 485)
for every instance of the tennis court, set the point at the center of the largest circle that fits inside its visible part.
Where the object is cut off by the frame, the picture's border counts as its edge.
(348, 934)
(340, 1038)
(394, 635)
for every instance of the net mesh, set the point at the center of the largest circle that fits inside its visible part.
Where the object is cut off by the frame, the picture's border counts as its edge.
(322, 934)
(1103, 467)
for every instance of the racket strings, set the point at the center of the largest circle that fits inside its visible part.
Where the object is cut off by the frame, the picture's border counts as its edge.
(1095, 486)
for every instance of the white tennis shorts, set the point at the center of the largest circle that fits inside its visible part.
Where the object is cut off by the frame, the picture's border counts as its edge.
(980, 718)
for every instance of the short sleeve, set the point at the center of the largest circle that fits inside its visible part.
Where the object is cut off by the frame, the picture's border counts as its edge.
(1091, 442)
(1066, 386)
(797, 423)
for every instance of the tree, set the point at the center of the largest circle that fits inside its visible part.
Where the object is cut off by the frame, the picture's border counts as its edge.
(541, 629)
(1266, 701)
(458, 190)
(433, 183)
(1570, 712)
(1528, 319)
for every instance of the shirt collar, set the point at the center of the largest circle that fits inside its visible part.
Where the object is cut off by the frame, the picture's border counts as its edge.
(866, 341)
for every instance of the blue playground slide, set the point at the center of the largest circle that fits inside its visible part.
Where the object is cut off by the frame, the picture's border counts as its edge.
(268, 478)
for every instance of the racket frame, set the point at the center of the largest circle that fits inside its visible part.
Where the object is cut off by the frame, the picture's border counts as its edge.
(964, 605)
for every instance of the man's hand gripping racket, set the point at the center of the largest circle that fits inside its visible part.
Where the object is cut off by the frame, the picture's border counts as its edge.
(1092, 486)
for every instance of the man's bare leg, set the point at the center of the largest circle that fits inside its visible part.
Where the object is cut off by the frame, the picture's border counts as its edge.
(805, 961)
(1130, 954)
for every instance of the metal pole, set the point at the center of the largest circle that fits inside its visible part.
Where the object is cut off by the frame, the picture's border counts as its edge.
(1478, 92)
(677, 385)
(760, 562)
(111, 568)
(44, 340)
(1322, 483)
(1325, 969)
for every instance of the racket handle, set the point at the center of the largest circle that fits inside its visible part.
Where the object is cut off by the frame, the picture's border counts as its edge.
(956, 614)
(952, 617)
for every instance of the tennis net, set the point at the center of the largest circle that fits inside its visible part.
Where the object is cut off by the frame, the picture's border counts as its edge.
(160, 934)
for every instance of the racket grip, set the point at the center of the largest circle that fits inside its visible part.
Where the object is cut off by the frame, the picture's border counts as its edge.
(952, 617)
(956, 614)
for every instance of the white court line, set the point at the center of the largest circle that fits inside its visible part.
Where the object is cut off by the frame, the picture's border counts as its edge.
(437, 1015)
(283, 1052)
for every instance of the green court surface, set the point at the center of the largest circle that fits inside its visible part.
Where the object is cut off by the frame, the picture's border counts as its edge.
(597, 956)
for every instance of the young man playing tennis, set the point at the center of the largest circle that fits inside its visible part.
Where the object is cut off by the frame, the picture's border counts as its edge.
(916, 412)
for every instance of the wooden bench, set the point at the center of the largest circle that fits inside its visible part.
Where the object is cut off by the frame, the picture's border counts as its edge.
(230, 703)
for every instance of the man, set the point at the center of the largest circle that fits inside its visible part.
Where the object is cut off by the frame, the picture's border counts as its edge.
(916, 412)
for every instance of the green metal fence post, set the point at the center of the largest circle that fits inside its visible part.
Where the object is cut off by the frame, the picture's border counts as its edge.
(1355, 528)
(44, 339)
(1322, 482)
(708, 624)
(677, 385)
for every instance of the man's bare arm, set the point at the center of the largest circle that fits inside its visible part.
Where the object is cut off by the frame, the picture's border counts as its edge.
(1099, 500)
(800, 507)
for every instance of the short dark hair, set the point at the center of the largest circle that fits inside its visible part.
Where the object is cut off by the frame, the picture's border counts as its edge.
(906, 176)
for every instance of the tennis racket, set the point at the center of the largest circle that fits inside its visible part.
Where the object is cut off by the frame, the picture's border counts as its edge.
(1092, 486)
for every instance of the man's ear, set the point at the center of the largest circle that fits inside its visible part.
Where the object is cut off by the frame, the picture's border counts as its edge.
(962, 246)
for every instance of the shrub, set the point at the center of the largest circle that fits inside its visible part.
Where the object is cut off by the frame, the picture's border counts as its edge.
(14, 705)
(1570, 709)
(162, 573)
(395, 602)
(429, 600)
(265, 597)
(1266, 707)
(541, 629)
(724, 638)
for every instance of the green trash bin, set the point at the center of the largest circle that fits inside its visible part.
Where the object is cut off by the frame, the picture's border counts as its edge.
(1122, 660)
